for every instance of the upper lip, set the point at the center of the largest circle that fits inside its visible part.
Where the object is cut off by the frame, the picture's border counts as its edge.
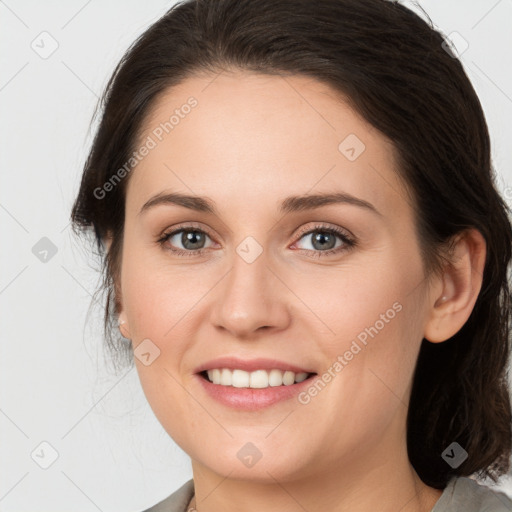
(250, 365)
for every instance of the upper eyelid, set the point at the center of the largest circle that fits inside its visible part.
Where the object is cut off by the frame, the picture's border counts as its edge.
(185, 227)
(338, 230)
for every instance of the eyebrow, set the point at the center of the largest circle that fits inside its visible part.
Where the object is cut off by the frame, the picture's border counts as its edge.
(289, 205)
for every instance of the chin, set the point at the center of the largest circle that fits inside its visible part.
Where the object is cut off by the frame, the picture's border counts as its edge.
(246, 462)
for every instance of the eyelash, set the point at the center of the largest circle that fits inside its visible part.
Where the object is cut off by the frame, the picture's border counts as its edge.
(348, 242)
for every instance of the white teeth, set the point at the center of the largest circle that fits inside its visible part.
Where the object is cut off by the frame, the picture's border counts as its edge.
(240, 379)
(288, 378)
(225, 377)
(275, 378)
(258, 379)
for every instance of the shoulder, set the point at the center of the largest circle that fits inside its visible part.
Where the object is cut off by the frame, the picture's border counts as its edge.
(467, 495)
(177, 501)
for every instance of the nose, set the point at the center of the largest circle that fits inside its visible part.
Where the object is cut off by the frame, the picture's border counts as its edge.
(251, 299)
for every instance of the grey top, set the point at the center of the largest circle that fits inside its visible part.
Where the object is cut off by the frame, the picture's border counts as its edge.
(461, 494)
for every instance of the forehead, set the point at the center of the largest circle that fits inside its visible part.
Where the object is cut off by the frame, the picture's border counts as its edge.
(239, 135)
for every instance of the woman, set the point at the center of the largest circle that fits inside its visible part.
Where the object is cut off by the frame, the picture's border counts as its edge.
(304, 243)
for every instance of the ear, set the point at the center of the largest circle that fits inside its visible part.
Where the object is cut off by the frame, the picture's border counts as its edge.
(121, 315)
(122, 320)
(123, 326)
(456, 293)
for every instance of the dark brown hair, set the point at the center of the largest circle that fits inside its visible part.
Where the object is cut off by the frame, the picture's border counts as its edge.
(394, 69)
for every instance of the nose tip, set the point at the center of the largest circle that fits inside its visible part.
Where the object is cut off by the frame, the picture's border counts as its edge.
(249, 300)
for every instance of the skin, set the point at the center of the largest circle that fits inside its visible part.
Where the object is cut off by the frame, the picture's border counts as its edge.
(252, 141)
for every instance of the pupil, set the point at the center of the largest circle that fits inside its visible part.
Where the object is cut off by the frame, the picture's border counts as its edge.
(323, 239)
(193, 237)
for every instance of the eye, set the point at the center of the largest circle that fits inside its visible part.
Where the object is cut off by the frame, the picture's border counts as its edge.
(323, 240)
(192, 239)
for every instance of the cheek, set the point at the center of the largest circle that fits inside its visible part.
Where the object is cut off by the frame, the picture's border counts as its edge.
(161, 304)
(357, 299)
(371, 324)
(158, 297)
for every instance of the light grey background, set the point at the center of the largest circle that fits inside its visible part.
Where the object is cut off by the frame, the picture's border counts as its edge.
(112, 452)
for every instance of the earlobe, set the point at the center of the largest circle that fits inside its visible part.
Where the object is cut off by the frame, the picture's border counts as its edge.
(444, 298)
(122, 322)
(462, 281)
(123, 326)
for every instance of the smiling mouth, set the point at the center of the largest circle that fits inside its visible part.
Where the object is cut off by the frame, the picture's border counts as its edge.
(259, 379)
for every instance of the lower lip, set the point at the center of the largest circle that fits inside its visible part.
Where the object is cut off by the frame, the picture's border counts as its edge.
(251, 399)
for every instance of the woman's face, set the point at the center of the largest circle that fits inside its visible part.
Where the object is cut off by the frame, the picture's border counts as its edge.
(272, 279)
